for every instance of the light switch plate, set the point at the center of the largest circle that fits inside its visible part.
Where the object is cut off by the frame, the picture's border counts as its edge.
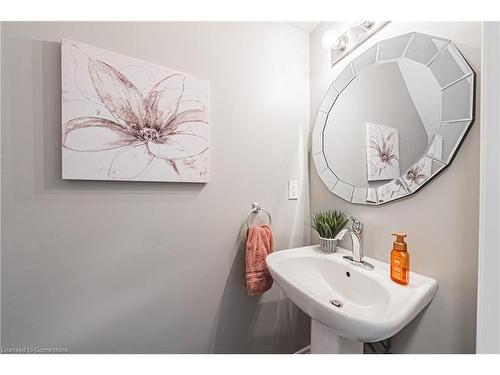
(293, 190)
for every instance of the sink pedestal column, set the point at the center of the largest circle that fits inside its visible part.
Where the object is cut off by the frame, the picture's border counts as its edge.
(325, 341)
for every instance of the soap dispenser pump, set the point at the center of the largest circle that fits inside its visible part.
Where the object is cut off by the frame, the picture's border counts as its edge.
(400, 260)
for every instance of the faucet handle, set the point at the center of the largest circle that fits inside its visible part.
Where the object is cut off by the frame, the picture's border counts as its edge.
(356, 225)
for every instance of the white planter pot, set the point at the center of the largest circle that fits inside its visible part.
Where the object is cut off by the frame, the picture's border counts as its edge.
(328, 245)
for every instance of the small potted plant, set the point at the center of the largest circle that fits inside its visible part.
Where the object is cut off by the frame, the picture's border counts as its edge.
(328, 224)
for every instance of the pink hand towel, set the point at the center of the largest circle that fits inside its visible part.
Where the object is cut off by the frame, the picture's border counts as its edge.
(259, 245)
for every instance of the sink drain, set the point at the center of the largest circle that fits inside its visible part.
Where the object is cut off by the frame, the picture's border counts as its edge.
(336, 303)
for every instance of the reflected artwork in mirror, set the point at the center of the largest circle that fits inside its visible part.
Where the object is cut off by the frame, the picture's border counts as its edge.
(393, 119)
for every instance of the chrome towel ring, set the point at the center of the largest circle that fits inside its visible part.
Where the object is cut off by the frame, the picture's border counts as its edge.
(255, 209)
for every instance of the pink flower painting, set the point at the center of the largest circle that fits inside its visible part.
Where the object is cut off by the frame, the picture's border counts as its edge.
(382, 152)
(125, 119)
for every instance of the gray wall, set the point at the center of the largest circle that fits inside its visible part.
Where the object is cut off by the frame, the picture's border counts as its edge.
(441, 220)
(120, 267)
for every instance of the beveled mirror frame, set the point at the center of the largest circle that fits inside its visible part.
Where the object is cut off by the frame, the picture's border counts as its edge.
(450, 87)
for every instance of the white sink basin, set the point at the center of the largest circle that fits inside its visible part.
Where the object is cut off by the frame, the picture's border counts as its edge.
(373, 306)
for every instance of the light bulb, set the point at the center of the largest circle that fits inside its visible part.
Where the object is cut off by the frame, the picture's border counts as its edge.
(331, 39)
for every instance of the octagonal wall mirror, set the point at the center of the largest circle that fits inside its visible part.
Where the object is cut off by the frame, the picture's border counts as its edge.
(393, 119)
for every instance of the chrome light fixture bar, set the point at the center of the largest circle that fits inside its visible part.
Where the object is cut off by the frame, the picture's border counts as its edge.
(343, 44)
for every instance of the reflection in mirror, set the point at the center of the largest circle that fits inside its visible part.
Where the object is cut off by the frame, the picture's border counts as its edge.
(448, 137)
(329, 179)
(393, 119)
(421, 172)
(384, 97)
(330, 97)
(393, 48)
(364, 195)
(457, 100)
(392, 190)
(317, 136)
(343, 190)
(344, 78)
(366, 60)
(447, 67)
(423, 48)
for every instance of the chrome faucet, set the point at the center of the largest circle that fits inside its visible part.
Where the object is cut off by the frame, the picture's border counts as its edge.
(355, 233)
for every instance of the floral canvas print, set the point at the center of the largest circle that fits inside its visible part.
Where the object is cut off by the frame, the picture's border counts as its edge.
(421, 171)
(418, 173)
(382, 152)
(126, 119)
(391, 190)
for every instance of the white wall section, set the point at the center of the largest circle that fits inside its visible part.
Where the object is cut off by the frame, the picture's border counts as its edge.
(0, 183)
(488, 304)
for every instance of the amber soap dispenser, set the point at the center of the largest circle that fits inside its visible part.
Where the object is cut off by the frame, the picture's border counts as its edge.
(400, 260)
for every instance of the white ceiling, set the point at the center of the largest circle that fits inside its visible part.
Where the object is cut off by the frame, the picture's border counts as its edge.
(307, 27)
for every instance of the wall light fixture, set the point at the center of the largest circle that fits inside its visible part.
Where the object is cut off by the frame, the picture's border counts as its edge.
(341, 45)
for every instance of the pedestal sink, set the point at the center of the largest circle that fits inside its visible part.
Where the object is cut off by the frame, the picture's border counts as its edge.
(348, 305)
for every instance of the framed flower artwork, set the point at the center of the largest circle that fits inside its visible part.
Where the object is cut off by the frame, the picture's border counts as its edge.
(382, 152)
(126, 119)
